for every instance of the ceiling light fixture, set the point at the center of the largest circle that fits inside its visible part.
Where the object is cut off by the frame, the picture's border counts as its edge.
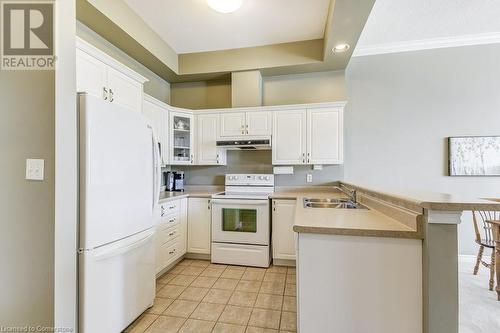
(225, 6)
(340, 48)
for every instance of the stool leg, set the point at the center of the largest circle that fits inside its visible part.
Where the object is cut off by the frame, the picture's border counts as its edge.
(479, 258)
(492, 269)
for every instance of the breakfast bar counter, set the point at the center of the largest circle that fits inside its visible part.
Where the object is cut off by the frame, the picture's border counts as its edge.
(401, 250)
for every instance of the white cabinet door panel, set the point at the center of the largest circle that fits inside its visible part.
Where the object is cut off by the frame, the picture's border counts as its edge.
(90, 75)
(259, 123)
(232, 124)
(325, 136)
(283, 236)
(289, 137)
(199, 225)
(124, 90)
(207, 134)
(158, 118)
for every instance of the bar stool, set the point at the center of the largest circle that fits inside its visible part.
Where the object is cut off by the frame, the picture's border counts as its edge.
(485, 240)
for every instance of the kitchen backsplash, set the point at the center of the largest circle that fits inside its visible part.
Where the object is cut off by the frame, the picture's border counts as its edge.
(258, 162)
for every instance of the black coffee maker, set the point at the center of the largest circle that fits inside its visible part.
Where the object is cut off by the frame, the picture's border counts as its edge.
(179, 181)
(174, 180)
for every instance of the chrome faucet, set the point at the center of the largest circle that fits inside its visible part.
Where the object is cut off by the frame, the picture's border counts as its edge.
(350, 193)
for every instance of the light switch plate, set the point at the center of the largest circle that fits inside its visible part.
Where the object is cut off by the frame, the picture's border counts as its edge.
(34, 169)
(309, 178)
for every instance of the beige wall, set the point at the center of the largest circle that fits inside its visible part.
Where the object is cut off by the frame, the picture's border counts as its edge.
(304, 88)
(201, 95)
(246, 89)
(277, 90)
(156, 87)
(26, 207)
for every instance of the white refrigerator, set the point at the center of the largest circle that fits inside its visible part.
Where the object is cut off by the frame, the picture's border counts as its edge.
(119, 187)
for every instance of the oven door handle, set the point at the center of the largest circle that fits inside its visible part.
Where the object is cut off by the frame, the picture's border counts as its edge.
(251, 202)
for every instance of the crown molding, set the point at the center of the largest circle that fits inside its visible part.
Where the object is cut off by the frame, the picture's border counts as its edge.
(428, 44)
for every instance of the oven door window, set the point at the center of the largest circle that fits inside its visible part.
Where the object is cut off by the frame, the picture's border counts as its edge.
(239, 220)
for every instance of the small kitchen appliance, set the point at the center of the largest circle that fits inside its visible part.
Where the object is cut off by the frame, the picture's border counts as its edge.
(241, 228)
(169, 181)
(179, 181)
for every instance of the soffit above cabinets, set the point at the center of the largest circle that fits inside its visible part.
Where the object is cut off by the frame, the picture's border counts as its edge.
(192, 26)
(183, 41)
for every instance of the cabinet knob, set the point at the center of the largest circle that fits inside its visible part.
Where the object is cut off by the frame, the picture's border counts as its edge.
(105, 93)
(111, 99)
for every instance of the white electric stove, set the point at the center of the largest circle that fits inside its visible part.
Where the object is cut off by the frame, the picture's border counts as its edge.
(241, 228)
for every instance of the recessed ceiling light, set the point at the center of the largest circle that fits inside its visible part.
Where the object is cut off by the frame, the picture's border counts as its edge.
(340, 48)
(225, 6)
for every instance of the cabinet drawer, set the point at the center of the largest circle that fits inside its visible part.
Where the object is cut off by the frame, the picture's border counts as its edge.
(170, 221)
(170, 251)
(169, 207)
(169, 234)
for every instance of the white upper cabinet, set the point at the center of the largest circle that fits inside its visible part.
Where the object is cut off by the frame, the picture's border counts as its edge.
(237, 124)
(289, 137)
(124, 90)
(207, 133)
(258, 123)
(91, 75)
(233, 124)
(325, 136)
(157, 114)
(182, 127)
(100, 75)
(313, 136)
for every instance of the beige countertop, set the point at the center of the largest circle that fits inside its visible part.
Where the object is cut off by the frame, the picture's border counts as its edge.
(191, 191)
(295, 192)
(353, 222)
(430, 200)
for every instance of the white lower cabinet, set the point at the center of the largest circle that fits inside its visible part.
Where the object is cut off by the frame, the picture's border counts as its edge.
(283, 239)
(171, 235)
(199, 226)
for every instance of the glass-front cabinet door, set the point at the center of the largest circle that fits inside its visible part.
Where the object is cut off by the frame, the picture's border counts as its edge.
(181, 138)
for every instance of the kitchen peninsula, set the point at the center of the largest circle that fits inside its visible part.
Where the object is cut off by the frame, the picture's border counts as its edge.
(394, 264)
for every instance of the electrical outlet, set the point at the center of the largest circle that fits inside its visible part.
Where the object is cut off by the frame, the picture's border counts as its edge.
(34, 169)
(309, 178)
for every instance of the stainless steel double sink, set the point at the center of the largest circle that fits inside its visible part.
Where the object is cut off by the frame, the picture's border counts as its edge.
(338, 203)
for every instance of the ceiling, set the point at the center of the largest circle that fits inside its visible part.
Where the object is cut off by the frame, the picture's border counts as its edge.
(185, 40)
(190, 26)
(393, 21)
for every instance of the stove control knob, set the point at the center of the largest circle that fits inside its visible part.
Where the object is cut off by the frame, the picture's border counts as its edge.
(267, 178)
(235, 177)
(261, 177)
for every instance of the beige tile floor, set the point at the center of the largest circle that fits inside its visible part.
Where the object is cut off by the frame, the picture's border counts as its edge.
(196, 296)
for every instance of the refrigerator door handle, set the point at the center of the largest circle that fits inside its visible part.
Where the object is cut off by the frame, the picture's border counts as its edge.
(156, 170)
(102, 254)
